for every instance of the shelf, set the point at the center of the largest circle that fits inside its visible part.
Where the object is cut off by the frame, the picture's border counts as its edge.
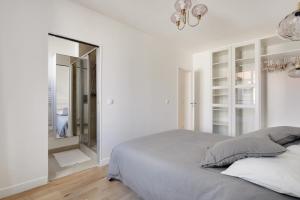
(220, 105)
(219, 123)
(290, 53)
(246, 86)
(219, 95)
(244, 106)
(220, 63)
(220, 109)
(220, 77)
(219, 87)
(244, 59)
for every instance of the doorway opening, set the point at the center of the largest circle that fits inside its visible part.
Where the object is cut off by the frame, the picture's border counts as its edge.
(73, 128)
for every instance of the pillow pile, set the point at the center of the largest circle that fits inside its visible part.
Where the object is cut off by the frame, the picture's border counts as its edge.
(228, 151)
(280, 174)
(284, 134)
(262, 143)
(259, 157)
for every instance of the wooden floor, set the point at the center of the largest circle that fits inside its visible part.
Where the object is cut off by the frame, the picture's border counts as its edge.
(87, 185)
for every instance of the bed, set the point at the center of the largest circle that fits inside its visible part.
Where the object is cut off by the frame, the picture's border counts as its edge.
(166, 166)
(62, 125)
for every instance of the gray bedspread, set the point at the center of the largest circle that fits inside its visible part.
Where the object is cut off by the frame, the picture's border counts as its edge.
(165, 166)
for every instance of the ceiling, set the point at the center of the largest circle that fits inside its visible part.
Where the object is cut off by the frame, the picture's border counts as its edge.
(227, 21)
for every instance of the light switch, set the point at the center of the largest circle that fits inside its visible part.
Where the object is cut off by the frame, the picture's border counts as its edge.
(167, 101)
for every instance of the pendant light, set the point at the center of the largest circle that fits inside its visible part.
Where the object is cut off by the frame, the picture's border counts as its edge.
(289, 27)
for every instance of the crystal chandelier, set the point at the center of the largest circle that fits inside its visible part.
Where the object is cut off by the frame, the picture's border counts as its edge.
(295, 71)
(182, 15)
(289, 27)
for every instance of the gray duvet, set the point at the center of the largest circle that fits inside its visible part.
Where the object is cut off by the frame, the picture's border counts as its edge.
(166, 166)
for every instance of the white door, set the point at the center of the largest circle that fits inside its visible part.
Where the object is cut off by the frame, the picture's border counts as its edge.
(186, 103)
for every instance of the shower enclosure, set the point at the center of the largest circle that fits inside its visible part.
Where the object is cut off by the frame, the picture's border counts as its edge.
(86, 99)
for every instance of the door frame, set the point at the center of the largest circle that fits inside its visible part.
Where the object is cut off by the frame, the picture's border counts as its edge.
(193, 117)
(99, 62)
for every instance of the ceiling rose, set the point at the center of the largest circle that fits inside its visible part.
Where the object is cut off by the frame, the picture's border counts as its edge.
(183, 10)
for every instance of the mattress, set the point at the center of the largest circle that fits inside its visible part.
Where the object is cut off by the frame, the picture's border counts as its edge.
(165, 166)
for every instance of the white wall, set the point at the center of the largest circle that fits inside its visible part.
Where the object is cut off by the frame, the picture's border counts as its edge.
(61, 46)
(138, 72)
(23, 95)
(283, 98)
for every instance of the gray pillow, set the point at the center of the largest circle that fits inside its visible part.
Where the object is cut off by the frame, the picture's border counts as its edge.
(228, 151)
(284, 134)
(259, 133)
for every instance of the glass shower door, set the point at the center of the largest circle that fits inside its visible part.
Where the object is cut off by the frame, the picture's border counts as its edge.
(82, 100)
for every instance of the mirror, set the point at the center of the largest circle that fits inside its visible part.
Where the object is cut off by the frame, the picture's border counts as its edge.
(63, 100)
(72, 101)
(71, 96)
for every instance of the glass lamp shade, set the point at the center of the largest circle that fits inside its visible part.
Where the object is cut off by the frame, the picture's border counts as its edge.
(289, 27)
(183, 4)
(175, 17)
(294, 73)
(199, 10)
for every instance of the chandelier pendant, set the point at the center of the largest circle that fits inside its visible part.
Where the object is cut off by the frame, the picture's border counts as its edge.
(182, 15)
(289, 27)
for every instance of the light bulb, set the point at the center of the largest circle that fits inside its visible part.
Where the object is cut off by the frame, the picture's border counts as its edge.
(199, 10)
(176, 17)
(183, 4)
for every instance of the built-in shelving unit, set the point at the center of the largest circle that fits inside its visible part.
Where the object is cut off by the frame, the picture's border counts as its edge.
(245, 72)
(221, 81)
(275, 47)
(239, 82)
(290, 52)
(235, 86)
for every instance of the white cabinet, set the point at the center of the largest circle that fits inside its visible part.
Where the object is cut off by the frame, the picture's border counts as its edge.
(236, 89)
(221, 92)
(246, 88)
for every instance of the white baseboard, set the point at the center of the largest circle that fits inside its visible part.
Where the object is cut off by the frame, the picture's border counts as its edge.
(27, 185)
(104, 161)
(21, 187)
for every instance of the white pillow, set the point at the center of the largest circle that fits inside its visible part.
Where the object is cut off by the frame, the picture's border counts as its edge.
(281, 173)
